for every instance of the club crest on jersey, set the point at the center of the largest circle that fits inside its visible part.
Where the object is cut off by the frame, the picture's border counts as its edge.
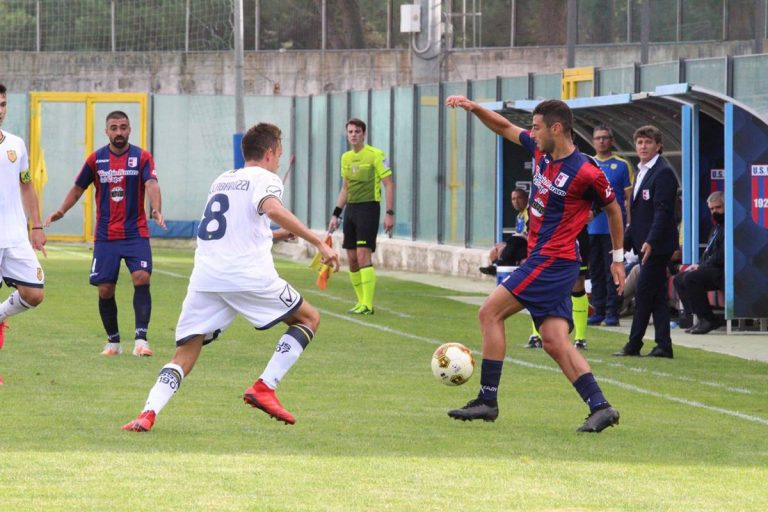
(11, 155)
(561, 179)
(133, 161)
(646, 194)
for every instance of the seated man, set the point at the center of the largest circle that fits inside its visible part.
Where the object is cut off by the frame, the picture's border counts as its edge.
(693, 283)
(514, 248)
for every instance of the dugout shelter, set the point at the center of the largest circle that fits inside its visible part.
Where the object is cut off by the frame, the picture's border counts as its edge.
(712, 141)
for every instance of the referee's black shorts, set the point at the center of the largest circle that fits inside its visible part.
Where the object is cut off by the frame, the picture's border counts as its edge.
(361, 225)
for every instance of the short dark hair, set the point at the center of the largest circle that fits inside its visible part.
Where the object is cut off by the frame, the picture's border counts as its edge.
(649, 132)
(116, 114)
(555, 111)
(603, 128)
(258, 139)
(3, 90)
(357, 122)
(521, 191)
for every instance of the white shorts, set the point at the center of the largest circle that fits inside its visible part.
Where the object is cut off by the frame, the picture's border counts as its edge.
(209, 313)
(19, 266)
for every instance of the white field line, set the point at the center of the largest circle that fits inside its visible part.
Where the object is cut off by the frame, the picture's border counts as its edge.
(630, 387)
(334, 298)
(672, 376)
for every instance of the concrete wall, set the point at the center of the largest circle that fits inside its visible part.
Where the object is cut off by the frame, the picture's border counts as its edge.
(405, 255)
(309, 72)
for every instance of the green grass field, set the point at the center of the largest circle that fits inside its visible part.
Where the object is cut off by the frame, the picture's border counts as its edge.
(372, 431)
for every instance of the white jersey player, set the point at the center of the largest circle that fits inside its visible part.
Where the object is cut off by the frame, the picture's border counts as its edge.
(19, 266)
(234, 273)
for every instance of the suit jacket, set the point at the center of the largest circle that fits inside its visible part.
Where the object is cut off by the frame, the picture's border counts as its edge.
(653, 211)
(714, 254)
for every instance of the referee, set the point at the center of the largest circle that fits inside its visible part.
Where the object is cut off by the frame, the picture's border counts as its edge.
(363, 170)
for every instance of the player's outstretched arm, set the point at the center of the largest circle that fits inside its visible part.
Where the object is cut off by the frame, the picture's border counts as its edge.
(616, 228)
(287, 220)
(69, 201)
(493, 120)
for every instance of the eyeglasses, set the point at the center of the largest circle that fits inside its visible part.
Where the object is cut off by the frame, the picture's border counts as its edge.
(602, 137)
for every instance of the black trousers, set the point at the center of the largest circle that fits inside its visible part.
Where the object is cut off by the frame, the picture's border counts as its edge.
(651, 299)
(692, 288)
(604, 297)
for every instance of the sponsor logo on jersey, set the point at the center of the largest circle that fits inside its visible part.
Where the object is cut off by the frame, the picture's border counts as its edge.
(117, 194)
(115, 175)
(11, 155)
(133, 161)
(544, 185)
(537, 207)
(39, 274)
(608, 191)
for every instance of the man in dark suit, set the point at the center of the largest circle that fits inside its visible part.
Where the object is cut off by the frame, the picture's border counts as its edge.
(693, 283)
(653, 235)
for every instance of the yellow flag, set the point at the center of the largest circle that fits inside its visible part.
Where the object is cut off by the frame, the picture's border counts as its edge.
(324, 271)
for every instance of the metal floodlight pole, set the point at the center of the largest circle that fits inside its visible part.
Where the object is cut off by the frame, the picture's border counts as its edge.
(257, 25)
(239, 85)
(37, 25)
(186, 26)
(112, 25)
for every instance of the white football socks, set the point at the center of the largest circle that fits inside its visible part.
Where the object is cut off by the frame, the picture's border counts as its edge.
(13, 305)
(287, 352)
(168, 382)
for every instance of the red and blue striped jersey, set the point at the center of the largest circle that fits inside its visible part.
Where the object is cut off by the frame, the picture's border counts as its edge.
(563, 192)
(119, 182)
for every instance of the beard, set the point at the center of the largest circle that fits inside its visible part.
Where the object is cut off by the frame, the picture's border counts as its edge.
(119, 142)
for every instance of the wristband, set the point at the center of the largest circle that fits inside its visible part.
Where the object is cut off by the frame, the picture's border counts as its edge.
(618, 255)
(37, 227)
(390, 212)
(337, 212)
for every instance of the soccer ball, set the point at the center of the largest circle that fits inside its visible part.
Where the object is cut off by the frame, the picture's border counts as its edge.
(453, 364)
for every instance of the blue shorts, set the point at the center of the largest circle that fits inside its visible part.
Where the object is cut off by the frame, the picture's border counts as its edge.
(543, 285)
(105, 267)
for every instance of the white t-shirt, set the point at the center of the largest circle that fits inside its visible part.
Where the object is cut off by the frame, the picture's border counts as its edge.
(13, 163)
(234, 241)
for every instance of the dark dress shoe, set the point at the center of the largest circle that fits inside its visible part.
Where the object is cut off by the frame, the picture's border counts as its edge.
(659, 352)
(627, 351)
(685, 322)
(704, 326)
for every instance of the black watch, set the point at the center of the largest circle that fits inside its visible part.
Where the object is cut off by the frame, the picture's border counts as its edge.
(390, 212)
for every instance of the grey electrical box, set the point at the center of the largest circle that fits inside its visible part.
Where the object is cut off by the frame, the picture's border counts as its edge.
(410, 18)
